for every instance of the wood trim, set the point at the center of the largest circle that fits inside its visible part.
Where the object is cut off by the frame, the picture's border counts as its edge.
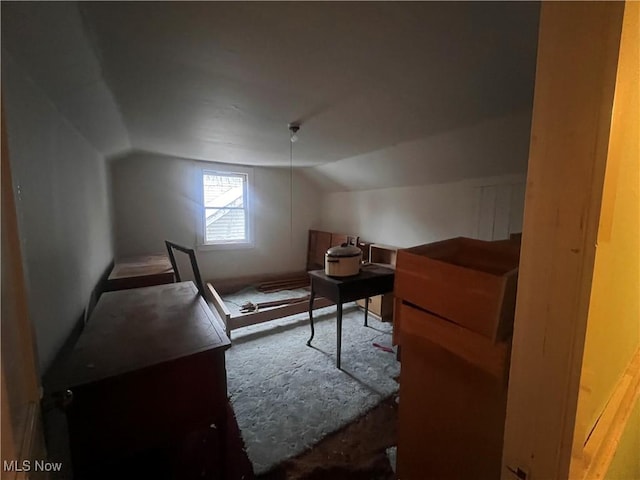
(33, 442)
(8, 449)
(504, 327)
(19, 371)
(13, 258)
(603, 442)
(575, 82)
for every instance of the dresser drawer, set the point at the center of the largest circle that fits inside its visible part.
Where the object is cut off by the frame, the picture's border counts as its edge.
(469, 282)
(453, 393)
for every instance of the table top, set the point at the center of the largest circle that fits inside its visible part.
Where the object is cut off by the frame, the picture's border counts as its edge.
(372, 280)
(367, 272)
(141, 266)
(141, 327)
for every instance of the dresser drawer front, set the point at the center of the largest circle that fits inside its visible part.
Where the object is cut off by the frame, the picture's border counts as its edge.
(120, 416)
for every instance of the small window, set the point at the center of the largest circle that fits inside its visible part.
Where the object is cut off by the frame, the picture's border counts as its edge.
(226, 208)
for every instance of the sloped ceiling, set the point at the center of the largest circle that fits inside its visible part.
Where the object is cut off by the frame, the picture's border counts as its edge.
(49, 41)
(220, 81)
(493, 147)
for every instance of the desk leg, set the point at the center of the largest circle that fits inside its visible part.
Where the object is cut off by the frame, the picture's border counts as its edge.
(312, 295)
(366, 311)
(339, 331)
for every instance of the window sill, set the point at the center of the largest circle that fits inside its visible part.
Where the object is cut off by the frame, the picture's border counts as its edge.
(225, 246)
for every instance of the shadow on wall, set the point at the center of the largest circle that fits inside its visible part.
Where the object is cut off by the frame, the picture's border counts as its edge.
(493, 147)
(489, 209)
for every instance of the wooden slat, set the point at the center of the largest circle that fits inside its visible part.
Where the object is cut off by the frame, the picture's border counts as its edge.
(220, 307)
(280, 312)
(284, 301)
(288, 286)
(291, 279)
(226, 286)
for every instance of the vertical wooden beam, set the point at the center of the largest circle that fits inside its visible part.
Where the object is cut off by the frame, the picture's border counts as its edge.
(613, 329)
(21, 424)
(575, 81)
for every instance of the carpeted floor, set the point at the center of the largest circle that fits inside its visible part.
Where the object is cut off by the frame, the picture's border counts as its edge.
(287, 396)
(359, 451)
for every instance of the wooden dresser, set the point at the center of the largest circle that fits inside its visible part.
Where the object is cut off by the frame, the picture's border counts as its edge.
(454, 311)
(148, 372)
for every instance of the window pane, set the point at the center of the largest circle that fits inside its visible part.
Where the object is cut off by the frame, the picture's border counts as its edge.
(223, 190)
(225, 225)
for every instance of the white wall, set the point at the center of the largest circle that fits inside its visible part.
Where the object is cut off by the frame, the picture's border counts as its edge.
(485, 208)
(158, 197)
(491, 147)
(62, 206)
(464, 182)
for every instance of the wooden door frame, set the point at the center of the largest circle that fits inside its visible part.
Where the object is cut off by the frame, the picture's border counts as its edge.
(22, 429)
(578, 50)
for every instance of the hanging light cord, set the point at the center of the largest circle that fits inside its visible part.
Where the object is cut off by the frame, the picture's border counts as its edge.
(293, 132)
(291, 188)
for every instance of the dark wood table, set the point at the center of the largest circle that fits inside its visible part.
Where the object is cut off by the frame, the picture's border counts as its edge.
(146, 373)
(372, 280)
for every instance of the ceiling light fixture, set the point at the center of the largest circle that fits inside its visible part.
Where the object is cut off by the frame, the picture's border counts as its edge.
(293, 130)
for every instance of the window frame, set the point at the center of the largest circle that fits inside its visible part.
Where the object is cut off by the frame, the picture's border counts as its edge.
(247, 174)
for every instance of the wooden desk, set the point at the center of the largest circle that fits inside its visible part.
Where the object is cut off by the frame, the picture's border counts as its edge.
(372, 280)
(147, 371)
(142, 271)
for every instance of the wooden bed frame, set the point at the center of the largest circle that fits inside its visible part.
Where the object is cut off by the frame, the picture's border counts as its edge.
(232, 322)
(213, 298)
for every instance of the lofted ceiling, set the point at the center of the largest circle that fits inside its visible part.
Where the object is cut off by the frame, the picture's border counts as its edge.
(220, 81)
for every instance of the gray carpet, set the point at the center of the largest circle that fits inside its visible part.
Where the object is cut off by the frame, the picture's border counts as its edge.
(287, 396)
